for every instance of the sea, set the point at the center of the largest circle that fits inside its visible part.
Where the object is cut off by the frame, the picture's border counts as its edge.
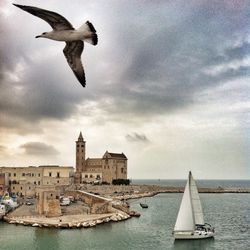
(228, 213)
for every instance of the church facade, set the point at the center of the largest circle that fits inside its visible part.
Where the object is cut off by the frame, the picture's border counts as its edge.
(111, 166)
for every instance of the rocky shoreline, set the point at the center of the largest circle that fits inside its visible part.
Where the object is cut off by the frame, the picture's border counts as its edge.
(67, 221)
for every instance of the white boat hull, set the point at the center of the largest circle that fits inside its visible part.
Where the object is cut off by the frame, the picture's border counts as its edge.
(193, 235)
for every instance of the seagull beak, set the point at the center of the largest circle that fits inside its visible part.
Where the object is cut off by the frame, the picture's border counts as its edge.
(38, 36)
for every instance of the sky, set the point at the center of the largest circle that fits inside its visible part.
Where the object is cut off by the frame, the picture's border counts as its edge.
(167, 85)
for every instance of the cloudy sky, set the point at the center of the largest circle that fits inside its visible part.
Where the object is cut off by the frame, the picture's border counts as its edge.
(168, 85)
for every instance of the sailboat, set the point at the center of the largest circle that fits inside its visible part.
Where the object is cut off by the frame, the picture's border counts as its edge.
(190, 221)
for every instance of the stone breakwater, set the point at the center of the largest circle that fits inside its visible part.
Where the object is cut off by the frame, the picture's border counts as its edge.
(178, 190)
(76, 221)
(138, 191)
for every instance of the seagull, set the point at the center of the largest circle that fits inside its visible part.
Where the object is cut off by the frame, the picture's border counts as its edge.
(64, 31)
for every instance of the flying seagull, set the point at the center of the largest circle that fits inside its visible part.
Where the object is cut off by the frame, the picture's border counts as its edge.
(64, 31)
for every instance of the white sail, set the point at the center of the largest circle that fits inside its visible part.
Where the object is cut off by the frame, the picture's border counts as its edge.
(196, 203)
(185, 219)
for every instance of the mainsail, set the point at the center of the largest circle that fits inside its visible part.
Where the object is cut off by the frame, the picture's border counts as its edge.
(185, 218)
(190, 212)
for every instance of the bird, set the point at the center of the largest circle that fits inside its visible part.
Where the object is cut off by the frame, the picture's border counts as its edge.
(64, 31)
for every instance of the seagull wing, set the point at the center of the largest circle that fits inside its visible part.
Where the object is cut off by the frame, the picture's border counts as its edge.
(56, 21)
(72, 52)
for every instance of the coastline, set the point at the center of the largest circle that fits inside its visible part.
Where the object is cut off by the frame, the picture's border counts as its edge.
(119, 212)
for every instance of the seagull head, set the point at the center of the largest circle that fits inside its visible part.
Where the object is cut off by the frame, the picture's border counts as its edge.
(44, 34)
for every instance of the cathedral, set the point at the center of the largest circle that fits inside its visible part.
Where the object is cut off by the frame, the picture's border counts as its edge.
(111, 166)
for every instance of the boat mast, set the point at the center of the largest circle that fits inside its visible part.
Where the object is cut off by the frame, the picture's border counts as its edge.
(191, 198)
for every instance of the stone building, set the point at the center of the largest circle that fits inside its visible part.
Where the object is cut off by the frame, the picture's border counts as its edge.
(48, 202)
(4, 183)
(24, 180)
(106, 169)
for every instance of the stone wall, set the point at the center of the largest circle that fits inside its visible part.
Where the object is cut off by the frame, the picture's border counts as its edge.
(118, 189)
(97, 204)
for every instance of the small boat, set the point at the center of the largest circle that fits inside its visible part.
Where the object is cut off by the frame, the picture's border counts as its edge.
(190, 221)
(8, 201)
(2, 211)
(144, 205)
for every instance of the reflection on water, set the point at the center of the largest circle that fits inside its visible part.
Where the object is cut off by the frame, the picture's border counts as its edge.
(46, 237)
(194, 244)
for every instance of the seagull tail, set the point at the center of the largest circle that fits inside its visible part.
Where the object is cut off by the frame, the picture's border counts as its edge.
(91, 36)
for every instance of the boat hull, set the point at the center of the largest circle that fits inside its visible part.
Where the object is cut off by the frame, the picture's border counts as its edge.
(193, 235)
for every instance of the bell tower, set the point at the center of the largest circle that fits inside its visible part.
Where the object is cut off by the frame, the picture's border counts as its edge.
(80, 157)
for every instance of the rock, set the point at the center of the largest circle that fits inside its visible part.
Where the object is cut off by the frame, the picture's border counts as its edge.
(85, 224)
(134, 214)
(92, 223)
(79, 224)
(35, 225)
(118, 217)
(99, 221)
(113, 218)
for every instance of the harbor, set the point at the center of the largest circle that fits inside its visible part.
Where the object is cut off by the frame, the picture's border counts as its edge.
(78, 214)
(153, 229)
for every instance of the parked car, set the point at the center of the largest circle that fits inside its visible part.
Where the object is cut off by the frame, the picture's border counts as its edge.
(65, 201)
(29, 201)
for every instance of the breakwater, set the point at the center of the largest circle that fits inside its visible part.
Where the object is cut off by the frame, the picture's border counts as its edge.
(111, 190)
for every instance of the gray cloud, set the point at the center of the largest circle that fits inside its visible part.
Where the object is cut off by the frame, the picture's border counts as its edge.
(162, 70)
(38, 148)
(149, 61)
(136, 137)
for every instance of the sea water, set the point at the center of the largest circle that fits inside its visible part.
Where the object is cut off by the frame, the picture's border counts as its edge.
(228, 213)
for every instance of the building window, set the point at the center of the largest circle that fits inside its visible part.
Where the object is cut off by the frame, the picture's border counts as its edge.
(38, 182)
(91, 176)
(14, 174)
(23, 174)
(21, 188)
(9, 174)
(58, 175)
(86, 176)
(82, 151)
(29, 188)
(122, 170)
(35, 182)
(13, 188)
(50, 174)
(39, 175)
(57, 181)
(32, 174)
